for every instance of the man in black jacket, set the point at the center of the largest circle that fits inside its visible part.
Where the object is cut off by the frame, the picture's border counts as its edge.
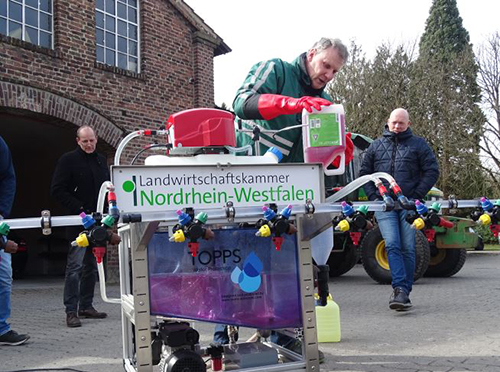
(77, 179)
(411, 162)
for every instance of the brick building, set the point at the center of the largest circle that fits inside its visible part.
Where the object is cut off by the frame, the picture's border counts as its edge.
(117, 65)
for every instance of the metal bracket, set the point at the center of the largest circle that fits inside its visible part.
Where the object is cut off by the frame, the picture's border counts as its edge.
(230, 211)
(274, 207)
(452, 202)
(45, 222)
(309, 208)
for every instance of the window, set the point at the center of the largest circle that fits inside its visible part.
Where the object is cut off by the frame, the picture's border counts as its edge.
(27, 20)
(117, 33)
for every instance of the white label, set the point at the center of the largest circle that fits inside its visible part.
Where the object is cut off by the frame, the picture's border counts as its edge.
(162, 188)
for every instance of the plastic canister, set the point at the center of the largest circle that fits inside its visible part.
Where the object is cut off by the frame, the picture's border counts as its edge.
(328, 321)
(323, 136)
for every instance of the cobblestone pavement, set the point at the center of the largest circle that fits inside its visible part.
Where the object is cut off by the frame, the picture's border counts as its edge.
(453, 326)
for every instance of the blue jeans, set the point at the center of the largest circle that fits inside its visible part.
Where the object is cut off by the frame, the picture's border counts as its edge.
(400, 245)
(5, 290)
(221, 336)
(81, 276)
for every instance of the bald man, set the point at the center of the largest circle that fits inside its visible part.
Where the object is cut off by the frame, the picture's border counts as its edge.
(77, 179)
(410, 160)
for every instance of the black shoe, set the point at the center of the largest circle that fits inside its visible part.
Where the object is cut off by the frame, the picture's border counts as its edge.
(399, 300)
(72, 320)
(296, 347)
(91, 313)
(12, 338)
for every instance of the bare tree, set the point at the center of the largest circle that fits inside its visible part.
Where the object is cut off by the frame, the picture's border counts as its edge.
(488, 60)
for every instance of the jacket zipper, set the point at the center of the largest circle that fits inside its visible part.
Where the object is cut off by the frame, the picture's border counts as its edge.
(393, 162)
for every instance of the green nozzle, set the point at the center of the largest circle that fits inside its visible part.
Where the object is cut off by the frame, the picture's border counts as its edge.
(436, 206)
(109, 221)
(363, 209)
(202, 217)
(497, 202)
(4, 229)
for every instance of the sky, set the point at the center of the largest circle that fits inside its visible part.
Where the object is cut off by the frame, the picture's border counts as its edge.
(257, 30)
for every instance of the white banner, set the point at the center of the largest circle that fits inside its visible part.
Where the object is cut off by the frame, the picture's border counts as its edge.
(164, 188)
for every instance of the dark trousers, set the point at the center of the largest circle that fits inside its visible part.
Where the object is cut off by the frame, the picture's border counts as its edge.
(81, 276)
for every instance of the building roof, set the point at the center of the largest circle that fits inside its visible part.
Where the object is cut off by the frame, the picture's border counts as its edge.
(205, 31)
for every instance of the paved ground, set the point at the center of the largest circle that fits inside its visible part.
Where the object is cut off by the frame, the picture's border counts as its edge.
(454, 326)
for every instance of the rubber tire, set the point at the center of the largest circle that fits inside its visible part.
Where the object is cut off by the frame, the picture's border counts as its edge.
(448, 265)
(382, 275)
(341, 262)
(480, 244)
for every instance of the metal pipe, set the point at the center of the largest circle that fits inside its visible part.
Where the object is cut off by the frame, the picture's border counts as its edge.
(102, 286)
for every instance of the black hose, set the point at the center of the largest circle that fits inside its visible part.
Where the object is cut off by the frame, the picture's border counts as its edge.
(323, 291)
(156, 145)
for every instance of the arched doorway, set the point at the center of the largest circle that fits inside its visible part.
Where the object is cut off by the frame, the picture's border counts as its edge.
(38, 132)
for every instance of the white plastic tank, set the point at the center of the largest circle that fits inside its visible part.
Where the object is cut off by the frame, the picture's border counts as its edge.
(272, 156)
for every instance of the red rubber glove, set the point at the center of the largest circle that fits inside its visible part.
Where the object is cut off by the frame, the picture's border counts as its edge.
(273, 105)
(349, 150)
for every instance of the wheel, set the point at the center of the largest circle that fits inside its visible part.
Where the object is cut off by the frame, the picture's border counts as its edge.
(480, 244)
(341, 261)
(374, 256)
(446, 262)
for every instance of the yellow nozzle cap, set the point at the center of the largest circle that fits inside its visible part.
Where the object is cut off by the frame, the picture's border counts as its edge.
(343, 226)
(82, 240)
(264, 231)
(419, 224)
(179, 236)
(485, 219)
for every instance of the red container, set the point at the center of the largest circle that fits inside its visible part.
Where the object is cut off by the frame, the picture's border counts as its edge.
(202, 128)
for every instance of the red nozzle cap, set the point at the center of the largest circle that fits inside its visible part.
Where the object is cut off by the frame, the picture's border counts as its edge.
(355, 237)
(111, 196)
(495, 229)
(193, 248)
(216, 364)
(278, 241)
(99, 253)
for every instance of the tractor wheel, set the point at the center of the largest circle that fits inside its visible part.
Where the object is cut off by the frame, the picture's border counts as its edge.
(375, 261)
(446, 262)
(342, 261)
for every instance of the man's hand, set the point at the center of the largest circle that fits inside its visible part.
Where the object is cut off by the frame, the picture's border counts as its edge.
(349, 150)
(273, 105)
(115, 239)
(10, 247)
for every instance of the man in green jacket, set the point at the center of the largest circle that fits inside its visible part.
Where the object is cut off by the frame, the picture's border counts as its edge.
(275, 92)
(272, 97)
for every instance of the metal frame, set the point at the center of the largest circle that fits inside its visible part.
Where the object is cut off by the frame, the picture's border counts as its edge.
(136, 317)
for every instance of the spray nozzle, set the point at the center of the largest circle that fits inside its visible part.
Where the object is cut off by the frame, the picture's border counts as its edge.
(421, 207)
(87, 221)
(183, 217)
(269, 214)
(347, 209)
